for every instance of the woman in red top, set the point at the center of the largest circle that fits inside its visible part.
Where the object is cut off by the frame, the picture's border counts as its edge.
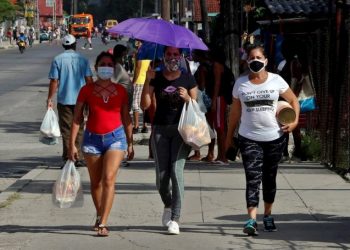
(105, 142)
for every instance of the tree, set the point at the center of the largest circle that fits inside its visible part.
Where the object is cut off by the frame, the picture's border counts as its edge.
(165, 9)
(205, 21)
(7, 10)
(230, 25)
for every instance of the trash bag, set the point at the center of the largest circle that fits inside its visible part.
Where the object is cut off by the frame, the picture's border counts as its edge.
(193, 126)
(49, 129)
(67, 186)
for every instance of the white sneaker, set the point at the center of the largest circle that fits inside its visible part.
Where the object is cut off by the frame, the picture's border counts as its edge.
(90, 48)
(166, 218)
(82, 47)
(173, 227)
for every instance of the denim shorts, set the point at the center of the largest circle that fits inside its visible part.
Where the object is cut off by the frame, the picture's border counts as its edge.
(98, 144)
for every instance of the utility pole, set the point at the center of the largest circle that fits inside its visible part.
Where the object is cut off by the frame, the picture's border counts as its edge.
(205, 21)
(54, 14)
(72, 7)
(156, 6)
(141, 8)
(37, 23)
(181, 10)
(166, 9)
(75, 6)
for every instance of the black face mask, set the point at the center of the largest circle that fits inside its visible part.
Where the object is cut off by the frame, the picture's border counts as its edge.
(256, 65)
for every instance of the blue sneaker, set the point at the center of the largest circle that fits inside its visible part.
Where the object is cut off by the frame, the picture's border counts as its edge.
(251, 227)
(269, 224)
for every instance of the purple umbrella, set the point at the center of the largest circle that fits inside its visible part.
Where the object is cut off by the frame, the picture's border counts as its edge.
(159, 31)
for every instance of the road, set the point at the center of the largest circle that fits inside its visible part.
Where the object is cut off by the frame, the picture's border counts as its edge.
(23, 93)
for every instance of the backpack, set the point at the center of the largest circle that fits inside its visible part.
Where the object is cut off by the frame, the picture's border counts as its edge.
(227, 83)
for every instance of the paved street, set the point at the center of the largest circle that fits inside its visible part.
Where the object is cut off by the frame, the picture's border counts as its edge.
(311, 210)
(23, 94)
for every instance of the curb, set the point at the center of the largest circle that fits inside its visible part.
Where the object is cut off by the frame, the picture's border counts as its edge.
(7, 47)
(19, 184)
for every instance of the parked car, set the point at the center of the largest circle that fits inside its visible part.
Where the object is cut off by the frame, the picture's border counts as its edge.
(44, 36)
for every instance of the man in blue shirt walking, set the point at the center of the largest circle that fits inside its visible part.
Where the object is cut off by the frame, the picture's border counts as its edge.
(69, 72)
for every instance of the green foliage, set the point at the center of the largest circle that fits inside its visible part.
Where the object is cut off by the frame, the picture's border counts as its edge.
(311, 146)
(82, 6)
(7, 10)
(259, 12)
(120, 9)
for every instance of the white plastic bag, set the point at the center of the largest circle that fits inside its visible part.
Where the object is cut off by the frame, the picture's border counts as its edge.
(68, 184)
(49, 127)
(193, 126)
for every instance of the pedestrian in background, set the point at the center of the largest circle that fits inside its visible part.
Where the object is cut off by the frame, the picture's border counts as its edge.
(105, 141)
(15, 34)
(139, 79)
(218, 107)
(1, 35)
(261, 137)
(121, 76)
(88, 40)
(294, 66)
(204, 76)
(172, 89)
(9, 34)
(68, 73)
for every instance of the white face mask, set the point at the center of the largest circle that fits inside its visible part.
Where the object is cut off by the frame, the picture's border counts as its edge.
(105, 73)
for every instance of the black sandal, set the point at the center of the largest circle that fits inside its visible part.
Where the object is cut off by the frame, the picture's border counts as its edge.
(102, 231)
(97, 224)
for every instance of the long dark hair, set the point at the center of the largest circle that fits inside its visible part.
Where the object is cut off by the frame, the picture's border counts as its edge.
(104, 54)
(256, 46)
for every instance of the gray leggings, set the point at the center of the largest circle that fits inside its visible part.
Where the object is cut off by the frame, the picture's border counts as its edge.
(170, 153)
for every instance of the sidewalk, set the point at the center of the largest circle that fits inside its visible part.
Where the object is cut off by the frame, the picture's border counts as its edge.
(311, 211)
(6, 45)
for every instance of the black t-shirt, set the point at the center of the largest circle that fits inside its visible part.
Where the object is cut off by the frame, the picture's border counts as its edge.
(169, 102)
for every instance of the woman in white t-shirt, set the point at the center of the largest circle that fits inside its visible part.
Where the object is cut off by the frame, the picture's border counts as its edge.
(261, 138)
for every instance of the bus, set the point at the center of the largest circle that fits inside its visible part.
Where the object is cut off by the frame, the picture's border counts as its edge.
(79, 25)
(110, 23)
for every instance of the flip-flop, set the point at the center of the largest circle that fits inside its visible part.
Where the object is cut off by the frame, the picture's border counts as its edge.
(193, 158)
(95, 227)
(102, 231)
(222, 163)
(207, 159)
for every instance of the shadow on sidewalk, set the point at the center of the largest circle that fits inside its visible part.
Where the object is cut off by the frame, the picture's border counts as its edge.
(297, 228)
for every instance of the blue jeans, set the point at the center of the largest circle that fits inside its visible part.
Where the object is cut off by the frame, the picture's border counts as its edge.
(260, 161)
(170, 153)
(97, 144)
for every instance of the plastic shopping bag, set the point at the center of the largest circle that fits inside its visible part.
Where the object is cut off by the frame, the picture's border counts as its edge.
(49, 128)
(193, 126)
(67, 187)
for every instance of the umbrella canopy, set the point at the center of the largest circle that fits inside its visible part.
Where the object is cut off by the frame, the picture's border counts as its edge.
(159, 31)
(150, 51)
